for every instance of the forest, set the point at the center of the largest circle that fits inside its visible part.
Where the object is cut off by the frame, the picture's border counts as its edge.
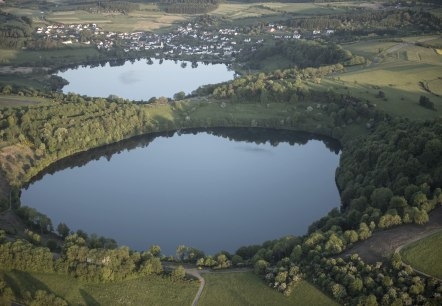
(390, 171)
(301, 54)
(188, 6)
(14, 30)
(364, 22)
(105, 6)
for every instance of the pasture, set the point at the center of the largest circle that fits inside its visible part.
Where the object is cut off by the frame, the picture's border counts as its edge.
(424, 255)
(140, 291)
(403, 71)
(245, 288)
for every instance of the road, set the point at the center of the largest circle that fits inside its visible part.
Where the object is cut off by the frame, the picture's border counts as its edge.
(196, 273)
(412, 241)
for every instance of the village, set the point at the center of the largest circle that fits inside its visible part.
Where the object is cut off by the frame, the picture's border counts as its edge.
(187, 40)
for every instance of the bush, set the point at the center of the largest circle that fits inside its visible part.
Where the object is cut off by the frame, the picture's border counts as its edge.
(425, 102)
(178, 273)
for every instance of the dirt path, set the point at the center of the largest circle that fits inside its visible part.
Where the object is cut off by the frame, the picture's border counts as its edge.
(193, 271)
(196, 273)
(384, 243)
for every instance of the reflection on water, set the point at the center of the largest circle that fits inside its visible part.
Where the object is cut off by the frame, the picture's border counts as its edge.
(142, 79)
(214, 189)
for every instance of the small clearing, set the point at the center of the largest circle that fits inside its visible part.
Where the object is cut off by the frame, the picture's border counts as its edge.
(383, 243)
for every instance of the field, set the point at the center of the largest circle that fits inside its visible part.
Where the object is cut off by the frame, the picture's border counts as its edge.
(44, 57)
(150, 18)
(424, 255)
(17, 100)
(245, 288)
(402, 70)
(140, 291)
(246, 10)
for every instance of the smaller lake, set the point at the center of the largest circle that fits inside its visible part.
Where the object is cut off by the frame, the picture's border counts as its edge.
(143, 79)
(213, 190)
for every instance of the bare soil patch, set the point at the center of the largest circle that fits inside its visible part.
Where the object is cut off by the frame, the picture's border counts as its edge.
(383, 243)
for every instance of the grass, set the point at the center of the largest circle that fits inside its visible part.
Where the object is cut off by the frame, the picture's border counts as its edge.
(424, 255)
(139, 291)
(10, 100)
(400, 71)
(245, 288)
(148, 18)
(43, 57)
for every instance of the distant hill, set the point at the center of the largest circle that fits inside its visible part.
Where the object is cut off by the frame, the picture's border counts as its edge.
(189, 6)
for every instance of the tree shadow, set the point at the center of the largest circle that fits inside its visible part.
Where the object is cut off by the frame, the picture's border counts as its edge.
(21, 281)
(88, 299)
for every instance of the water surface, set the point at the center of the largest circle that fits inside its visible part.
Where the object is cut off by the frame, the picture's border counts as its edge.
(213, 190)
(143, 79)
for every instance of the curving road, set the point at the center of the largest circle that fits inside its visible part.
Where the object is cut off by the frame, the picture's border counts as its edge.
(398, 250)
(196, 273)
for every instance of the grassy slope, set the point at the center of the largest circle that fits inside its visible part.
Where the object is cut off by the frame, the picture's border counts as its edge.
(396, 72)
(10, 100)
(247, 289)
(425, 255)
(140, 291)
(149, 17)
(40, 57)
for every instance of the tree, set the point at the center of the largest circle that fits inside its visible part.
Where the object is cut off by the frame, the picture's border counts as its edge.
(63, 230)
(398, 203)
(420, 216)
(380, 198)
(260, 266)
(351, 236)
(296, 253)
(425, 102)
(237, 260)
(178, 273)
(334, 245)
(155, 250)
(396, 260)
(380, 95)
(356, 286)
(152, 266)
(364, 232)
(7, 89)
(179, 95)
(222, 261)
(338, 291)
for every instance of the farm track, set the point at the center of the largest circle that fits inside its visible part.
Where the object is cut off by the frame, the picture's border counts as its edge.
(383, 244)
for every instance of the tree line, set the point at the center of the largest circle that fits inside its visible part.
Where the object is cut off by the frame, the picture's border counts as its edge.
(189, 6)
(390, 176)
(364, 21)
(299, 53)
(14, 30)
(104, 6)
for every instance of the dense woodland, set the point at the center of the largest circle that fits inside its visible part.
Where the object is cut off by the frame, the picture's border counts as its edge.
(189, 6)
(103, 6)
(14, 30)
(301, 54)
(371, 21)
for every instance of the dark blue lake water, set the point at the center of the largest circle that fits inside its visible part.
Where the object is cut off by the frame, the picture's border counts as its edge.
(213, 190)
